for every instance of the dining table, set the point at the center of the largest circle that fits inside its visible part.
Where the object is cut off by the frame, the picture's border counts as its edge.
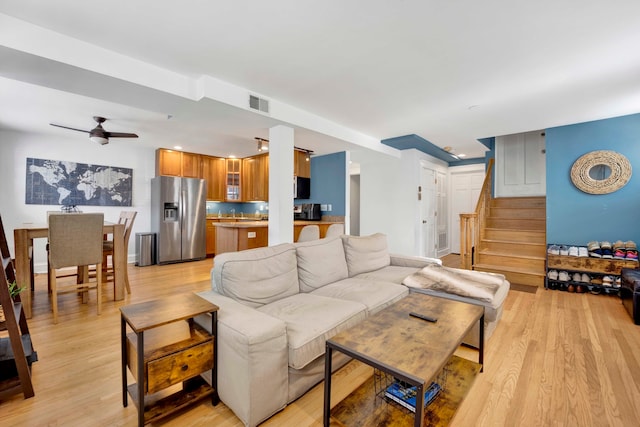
(23, 240)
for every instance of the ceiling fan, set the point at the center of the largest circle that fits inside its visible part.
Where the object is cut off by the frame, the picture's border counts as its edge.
(98, 134)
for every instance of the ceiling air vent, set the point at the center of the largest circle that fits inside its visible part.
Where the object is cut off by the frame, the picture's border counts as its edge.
(259, 104)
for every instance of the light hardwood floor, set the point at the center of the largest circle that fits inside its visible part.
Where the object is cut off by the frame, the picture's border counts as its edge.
(556, 359)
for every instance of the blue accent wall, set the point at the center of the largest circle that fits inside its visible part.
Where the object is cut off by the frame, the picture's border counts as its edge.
(328, 182)
(575, 217)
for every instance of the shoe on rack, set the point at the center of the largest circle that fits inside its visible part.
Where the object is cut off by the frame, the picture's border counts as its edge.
(630, 244)
(576, 277)
(583, 251)
(594, 249)
(619, 253)
(563, 276)
(564, 250)
(580, 289)
(632, 255)
(619, 244)
(606, 250)
(573, 251)
(607, 281)
(552, 274)
(617, 282)
(585, 278)
(553, 250)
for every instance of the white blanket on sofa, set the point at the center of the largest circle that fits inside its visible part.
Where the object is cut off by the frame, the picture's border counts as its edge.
(478, 285)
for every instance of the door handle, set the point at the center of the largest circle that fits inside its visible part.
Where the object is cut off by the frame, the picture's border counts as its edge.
(424, 221)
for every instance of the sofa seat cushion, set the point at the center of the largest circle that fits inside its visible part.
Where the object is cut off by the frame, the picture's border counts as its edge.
(366, 253)
(311, 320)
(320, 261)
(391, 273)
(376, 295)
(257, 276)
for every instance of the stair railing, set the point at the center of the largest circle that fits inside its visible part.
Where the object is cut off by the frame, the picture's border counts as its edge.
(472, 224)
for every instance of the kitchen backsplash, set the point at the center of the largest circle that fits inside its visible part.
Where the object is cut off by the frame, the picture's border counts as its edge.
(226, 209)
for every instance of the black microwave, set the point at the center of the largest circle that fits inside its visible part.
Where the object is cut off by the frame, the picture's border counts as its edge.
(301, 187)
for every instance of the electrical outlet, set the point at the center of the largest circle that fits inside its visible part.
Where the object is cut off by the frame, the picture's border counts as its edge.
(323, 208)
(329, 207)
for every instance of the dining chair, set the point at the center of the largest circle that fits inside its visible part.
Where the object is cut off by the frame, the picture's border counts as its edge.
(309, 232)
(77, 273)
(75, 241)
(335, 230)
(127, 218)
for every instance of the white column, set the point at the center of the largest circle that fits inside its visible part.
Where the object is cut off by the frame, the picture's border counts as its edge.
(280, 185)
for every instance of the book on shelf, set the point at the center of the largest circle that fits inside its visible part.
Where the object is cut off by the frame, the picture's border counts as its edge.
(406, 395)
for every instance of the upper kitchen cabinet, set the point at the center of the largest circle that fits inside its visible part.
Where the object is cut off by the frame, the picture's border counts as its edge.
(214, 170)
(234, 171)
(301, 164)
(178, 163)
(255, 178)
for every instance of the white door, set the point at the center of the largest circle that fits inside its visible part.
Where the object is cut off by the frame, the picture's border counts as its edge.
(428, 212)
(520, 165)
(442, 244)
(465, 190)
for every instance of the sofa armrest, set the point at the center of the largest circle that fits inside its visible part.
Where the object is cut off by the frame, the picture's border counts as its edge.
(252, 360)
(413, 261)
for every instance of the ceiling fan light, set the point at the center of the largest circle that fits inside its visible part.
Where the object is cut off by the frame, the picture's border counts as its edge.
(99, 139)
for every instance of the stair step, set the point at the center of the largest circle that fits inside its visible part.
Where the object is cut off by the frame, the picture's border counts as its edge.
(517, 224)
(519, 202)
(532, 264)
(525, 236)
(515, 213)
(514, 275)
(537, 249)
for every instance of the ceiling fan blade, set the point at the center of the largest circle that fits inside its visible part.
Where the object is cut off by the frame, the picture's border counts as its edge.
(67, 127)
(120, 135)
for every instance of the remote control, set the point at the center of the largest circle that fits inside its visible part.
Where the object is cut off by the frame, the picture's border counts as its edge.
(423, 317)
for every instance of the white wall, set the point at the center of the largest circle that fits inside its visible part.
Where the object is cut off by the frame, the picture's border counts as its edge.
(388, 197)
(15, 147)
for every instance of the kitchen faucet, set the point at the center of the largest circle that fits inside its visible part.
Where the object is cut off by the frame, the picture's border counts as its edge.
(233, 213)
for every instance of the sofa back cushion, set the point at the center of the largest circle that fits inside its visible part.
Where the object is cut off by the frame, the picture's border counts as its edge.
(257, 276)
(320, 262)
(366, 253)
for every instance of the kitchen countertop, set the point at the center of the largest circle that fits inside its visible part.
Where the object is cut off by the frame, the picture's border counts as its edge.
(252, 224)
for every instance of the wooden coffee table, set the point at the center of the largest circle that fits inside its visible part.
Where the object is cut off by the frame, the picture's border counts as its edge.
(408, 348)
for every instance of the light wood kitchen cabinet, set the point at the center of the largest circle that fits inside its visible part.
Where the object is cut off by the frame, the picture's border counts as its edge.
(214, 172)
(211, 236)
(168, 162)
(255, 178)
(178, 163)
(234, 175)
(301, 164)
(191, 165)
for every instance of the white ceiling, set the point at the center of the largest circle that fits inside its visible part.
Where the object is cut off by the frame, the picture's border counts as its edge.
(448, 71)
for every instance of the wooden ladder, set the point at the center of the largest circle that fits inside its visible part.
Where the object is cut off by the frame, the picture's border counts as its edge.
(16, 350)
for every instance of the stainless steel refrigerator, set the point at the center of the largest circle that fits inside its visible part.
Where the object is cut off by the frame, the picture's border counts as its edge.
(178, 217)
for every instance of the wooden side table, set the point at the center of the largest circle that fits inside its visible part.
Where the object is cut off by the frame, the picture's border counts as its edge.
(155, 369)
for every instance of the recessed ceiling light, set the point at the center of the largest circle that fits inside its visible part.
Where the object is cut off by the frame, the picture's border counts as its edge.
(462, 155)
(231, 156)
(177, 147)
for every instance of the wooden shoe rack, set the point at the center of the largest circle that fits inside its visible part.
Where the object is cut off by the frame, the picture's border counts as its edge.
(596, 268)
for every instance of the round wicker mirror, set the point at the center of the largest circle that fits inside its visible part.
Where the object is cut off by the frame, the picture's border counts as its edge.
(613, 168)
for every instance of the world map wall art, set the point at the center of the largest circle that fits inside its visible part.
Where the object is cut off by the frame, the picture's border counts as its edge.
(56, 182)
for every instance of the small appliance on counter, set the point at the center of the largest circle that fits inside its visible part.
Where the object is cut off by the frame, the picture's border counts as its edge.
(307, 212)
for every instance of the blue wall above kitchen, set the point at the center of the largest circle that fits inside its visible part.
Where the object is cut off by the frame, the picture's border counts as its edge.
(575, 217)
(328, 182)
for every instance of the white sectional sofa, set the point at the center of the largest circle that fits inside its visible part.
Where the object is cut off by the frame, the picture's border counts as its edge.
(279, 304)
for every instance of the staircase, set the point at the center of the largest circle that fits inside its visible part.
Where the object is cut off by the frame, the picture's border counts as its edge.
(512, 240)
